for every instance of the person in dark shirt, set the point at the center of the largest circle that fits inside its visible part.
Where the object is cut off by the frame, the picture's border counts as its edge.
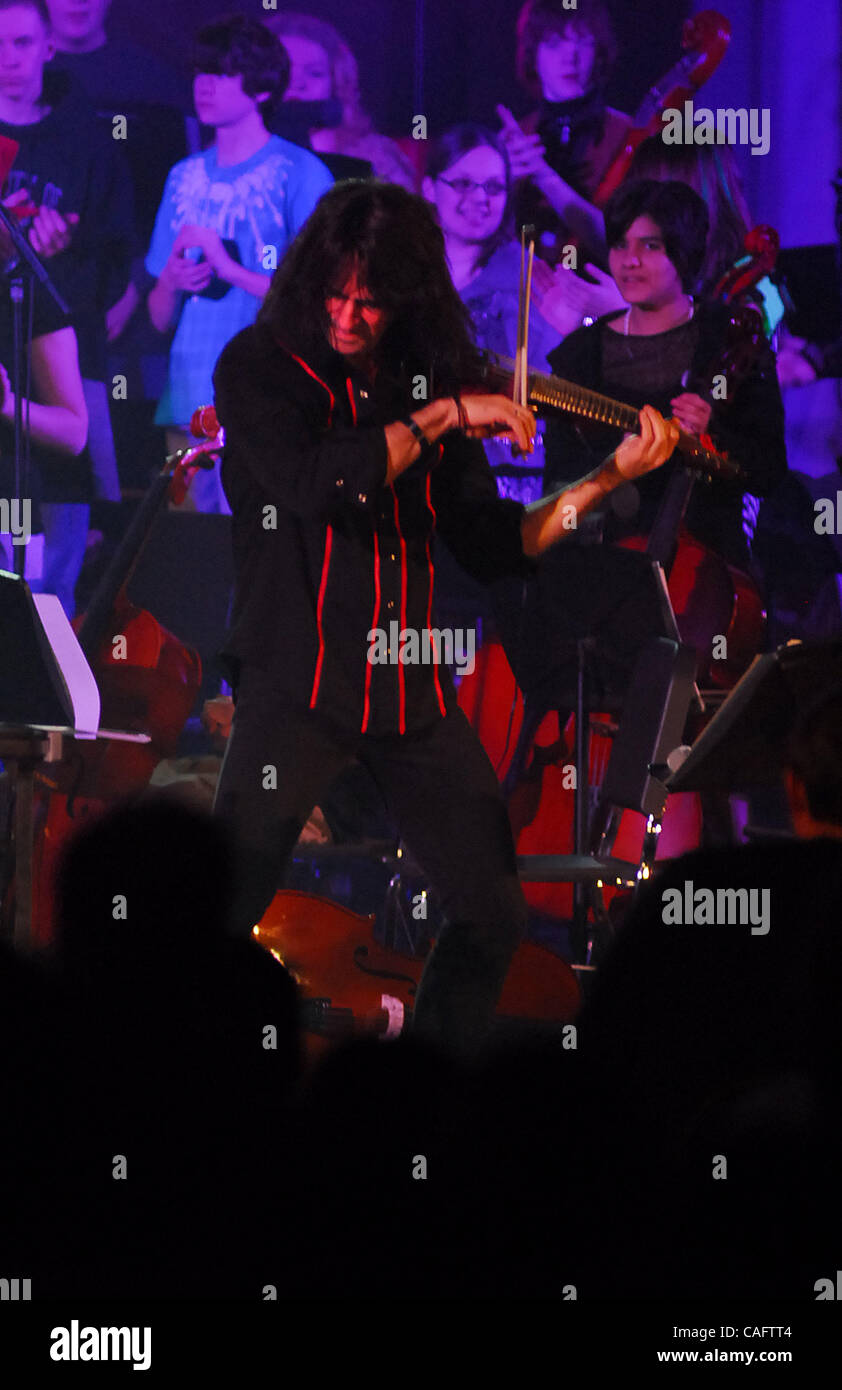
(336, 491)
(123, 79)
(667, 348)
(111, 70)
(561, 151)
(67, 164)
(56, 414)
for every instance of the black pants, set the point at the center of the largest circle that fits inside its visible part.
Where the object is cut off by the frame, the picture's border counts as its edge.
(443, 795)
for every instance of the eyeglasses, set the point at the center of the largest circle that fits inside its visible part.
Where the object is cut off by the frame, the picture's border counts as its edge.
(492, 188)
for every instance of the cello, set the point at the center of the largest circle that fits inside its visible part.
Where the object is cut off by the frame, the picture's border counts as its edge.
(704, 38)
(710, 598)
(351, 986)
(148, 682)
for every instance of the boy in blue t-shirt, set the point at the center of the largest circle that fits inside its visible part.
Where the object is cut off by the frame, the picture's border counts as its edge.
(225, 220)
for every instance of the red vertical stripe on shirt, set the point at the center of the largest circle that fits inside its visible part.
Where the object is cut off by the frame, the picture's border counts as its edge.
(431, 568)
(374, 619)
(401, 675)
(376, 614)
(328, 535)
(310, 372)
(322, 587)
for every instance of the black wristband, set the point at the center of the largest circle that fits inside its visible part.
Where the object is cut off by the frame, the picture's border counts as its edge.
(417, 431)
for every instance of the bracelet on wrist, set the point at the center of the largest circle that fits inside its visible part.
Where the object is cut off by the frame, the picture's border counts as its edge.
(461, 414)
(416, 429)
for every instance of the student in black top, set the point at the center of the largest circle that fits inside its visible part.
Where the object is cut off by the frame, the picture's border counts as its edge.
(561, 151)
(67, 164)
(663, 349)
(336, 490)
(58, 420)
(120, 78)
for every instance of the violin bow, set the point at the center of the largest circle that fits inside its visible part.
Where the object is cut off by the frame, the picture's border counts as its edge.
(527, 255)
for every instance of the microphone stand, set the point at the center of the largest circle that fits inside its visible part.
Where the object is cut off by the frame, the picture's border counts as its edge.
(24, 262)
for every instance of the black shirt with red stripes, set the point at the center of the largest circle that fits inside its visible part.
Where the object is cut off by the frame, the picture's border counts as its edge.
(325, 551)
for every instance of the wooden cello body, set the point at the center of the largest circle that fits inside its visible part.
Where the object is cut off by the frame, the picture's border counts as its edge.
(352, 986)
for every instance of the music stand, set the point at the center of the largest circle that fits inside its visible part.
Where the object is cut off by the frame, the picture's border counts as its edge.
(744, 745)
(574, 634)
(48, 694)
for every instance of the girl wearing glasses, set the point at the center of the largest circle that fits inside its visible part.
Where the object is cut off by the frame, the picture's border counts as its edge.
(468, 182)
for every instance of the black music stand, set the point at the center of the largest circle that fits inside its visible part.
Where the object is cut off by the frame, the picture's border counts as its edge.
(744, 746)
(47, 695)
(592, 628)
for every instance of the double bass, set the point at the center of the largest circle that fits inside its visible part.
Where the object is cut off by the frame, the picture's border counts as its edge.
(704, 40)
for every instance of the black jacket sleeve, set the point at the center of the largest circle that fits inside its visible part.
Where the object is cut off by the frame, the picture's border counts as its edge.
(481, 529)
(276, 435)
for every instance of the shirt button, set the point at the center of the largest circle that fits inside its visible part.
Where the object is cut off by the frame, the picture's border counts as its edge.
(364, 395)
(340, 482)
(391, 603)
(362, 498)
(393, 557)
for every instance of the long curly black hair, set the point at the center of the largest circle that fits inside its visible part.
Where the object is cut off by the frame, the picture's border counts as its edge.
(393, 241)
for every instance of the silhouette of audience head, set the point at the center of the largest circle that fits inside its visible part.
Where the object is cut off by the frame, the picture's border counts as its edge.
(152, 874)
(813, 772)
